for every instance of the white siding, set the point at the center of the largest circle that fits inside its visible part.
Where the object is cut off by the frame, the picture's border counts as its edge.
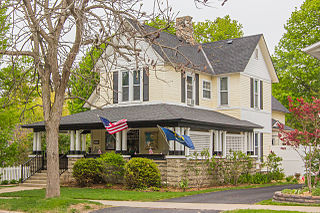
(258, 117)
(201, 141)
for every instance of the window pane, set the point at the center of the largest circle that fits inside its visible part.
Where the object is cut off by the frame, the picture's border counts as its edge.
(256, 86)
(189, 87)
(206, 85)
(224, 98)
(125, 78)
(224, 83)
(136, 77)
(136, 93)
(125, 93)
(256, 142)
(110, 142)
(206, 94)
(256, 100)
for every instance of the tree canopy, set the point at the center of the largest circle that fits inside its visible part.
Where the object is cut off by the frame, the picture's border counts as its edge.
(298, 73)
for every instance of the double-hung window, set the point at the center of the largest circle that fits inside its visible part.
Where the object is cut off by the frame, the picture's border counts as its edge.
(224, 91)
(206, 89)
(125, 86)
(130, 89)
(256, 93)
(256, 143)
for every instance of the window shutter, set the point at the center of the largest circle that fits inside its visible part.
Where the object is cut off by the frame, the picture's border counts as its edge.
(261, 95)
(115, 87)
(197, 90)
(251, 93)
(261, 146)
(183, 88)
(145, 85)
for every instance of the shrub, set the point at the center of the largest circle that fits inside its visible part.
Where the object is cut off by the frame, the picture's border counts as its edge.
(277, 175)
(13, 182)
(142, 173)
(289, 178)
(316, 191)
(86, 171)
(5, 182)
(112, 167)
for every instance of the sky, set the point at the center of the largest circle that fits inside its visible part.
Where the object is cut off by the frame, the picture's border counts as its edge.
(257, 16)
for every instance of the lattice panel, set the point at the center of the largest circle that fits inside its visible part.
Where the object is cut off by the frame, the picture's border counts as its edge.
(235, 143)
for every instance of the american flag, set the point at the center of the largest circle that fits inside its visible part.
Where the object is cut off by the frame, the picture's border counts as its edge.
(114, 127)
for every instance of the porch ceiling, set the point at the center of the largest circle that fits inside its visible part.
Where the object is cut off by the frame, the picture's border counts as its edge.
(150, 115)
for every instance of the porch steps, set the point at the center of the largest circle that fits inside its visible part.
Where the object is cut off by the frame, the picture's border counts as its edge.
(37, 180)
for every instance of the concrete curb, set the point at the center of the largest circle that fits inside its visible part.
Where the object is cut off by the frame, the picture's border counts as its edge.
(204, 206)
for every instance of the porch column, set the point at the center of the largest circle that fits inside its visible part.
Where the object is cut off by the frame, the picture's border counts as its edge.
(216, 142)
(211, 142)
(224, 143)
(124, 140)
(177, 144)
(39, 142)
(34, 147)
(77, 141)
(72, 139)
(83, 147)
(183, 148)
(118, 141)
(171, 144)
(187, 132)
(245, 141)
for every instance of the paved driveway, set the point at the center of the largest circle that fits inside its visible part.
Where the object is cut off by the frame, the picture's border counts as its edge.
(239, 196)
(151, 210)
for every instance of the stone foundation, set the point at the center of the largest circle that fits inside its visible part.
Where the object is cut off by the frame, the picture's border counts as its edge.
(66, 177)
(288, 198)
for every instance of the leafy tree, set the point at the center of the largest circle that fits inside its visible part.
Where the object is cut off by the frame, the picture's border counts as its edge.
(207, 31)
(298, 73)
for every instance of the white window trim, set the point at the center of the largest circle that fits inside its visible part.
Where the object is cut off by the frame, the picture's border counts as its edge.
(254, 94)
(193, 86)
(205, 98)
(219, 92)
(254, 145)
(130, 87)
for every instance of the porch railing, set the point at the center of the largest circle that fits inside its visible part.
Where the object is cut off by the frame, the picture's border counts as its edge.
(63, 163)
(32, 166)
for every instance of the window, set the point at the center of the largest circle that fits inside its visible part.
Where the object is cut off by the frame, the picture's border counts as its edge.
(256, 93)
(110, 142)
(130, 89)
(189, 87)
(125, 86)
(206, 89)
(256, 54)
(256, 144)
(136, 85)
(224, 91)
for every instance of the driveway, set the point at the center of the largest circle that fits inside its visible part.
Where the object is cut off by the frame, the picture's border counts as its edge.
(238, 196)
(151, 210)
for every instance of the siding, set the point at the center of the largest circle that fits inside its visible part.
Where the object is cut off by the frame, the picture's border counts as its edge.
(212, 102)
(236, 113)
(201, 141)
(267, 143)
(280, 116)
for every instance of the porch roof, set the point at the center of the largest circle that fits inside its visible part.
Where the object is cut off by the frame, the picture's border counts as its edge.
(150, 115)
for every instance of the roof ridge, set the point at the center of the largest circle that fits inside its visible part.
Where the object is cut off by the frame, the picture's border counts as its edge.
(260, 34)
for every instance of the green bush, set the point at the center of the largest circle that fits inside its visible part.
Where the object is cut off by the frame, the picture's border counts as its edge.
(5, 182)
(277, 175)
(142, 173)
(13, 182)
(289, 178)
(316, 191)
(313, 182)
(112, 167)
(86, 171)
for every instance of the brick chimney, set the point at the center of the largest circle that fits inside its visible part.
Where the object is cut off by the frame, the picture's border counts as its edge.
(184, 29)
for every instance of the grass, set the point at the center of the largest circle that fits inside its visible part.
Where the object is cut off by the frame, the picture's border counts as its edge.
(259, 211)
(270, 202)
(111, 194)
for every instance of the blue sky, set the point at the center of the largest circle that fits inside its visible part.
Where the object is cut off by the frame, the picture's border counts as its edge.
(256, 16)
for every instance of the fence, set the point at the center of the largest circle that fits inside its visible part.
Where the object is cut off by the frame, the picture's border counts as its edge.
(12, 173)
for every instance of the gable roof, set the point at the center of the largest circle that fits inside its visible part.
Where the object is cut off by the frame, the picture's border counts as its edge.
(149, 115)
(277, 106)
(220, 57)
(275, 125)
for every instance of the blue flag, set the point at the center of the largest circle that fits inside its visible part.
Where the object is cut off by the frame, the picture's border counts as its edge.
(172, 135)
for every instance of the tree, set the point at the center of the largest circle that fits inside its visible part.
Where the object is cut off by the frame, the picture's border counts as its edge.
(298, 73)
(207, 31)
(54, 33)
(308, 136)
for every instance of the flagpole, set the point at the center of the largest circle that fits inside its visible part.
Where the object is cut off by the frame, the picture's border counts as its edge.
(162, 133)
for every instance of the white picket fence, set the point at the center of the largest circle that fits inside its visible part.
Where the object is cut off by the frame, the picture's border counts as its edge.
(12, 173)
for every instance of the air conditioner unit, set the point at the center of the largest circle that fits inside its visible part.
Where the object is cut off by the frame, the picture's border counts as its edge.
(190, 102)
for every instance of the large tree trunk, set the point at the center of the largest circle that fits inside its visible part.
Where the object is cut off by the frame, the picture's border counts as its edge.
(53, 177)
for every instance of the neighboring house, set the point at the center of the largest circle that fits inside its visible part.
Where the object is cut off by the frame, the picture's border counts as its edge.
(222, 98)
(313, 50)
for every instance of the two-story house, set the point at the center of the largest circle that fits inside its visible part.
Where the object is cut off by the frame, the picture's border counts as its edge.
(218, 93)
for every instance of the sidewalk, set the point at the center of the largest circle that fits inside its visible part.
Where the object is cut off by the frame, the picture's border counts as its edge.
(17, 188)
(205, 206)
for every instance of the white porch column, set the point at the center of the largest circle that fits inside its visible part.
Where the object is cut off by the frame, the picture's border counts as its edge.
(187, 132)
(245, 141)
(178, 145)
(72, 139)
(224, 143)
(34, 147)
(183, 148)
(39, 142)
(83, 139)
(216, 141)
(124, 140)
(171, 143)
(118, 141)
(78, 142)
(211, 143)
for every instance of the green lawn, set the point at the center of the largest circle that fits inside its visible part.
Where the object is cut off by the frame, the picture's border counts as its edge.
(111, 194)
(270, 202)
(259, 211)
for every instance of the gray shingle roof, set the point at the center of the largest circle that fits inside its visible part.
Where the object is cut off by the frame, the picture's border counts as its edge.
(277, 106)
(224, 56)
(152, 113)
